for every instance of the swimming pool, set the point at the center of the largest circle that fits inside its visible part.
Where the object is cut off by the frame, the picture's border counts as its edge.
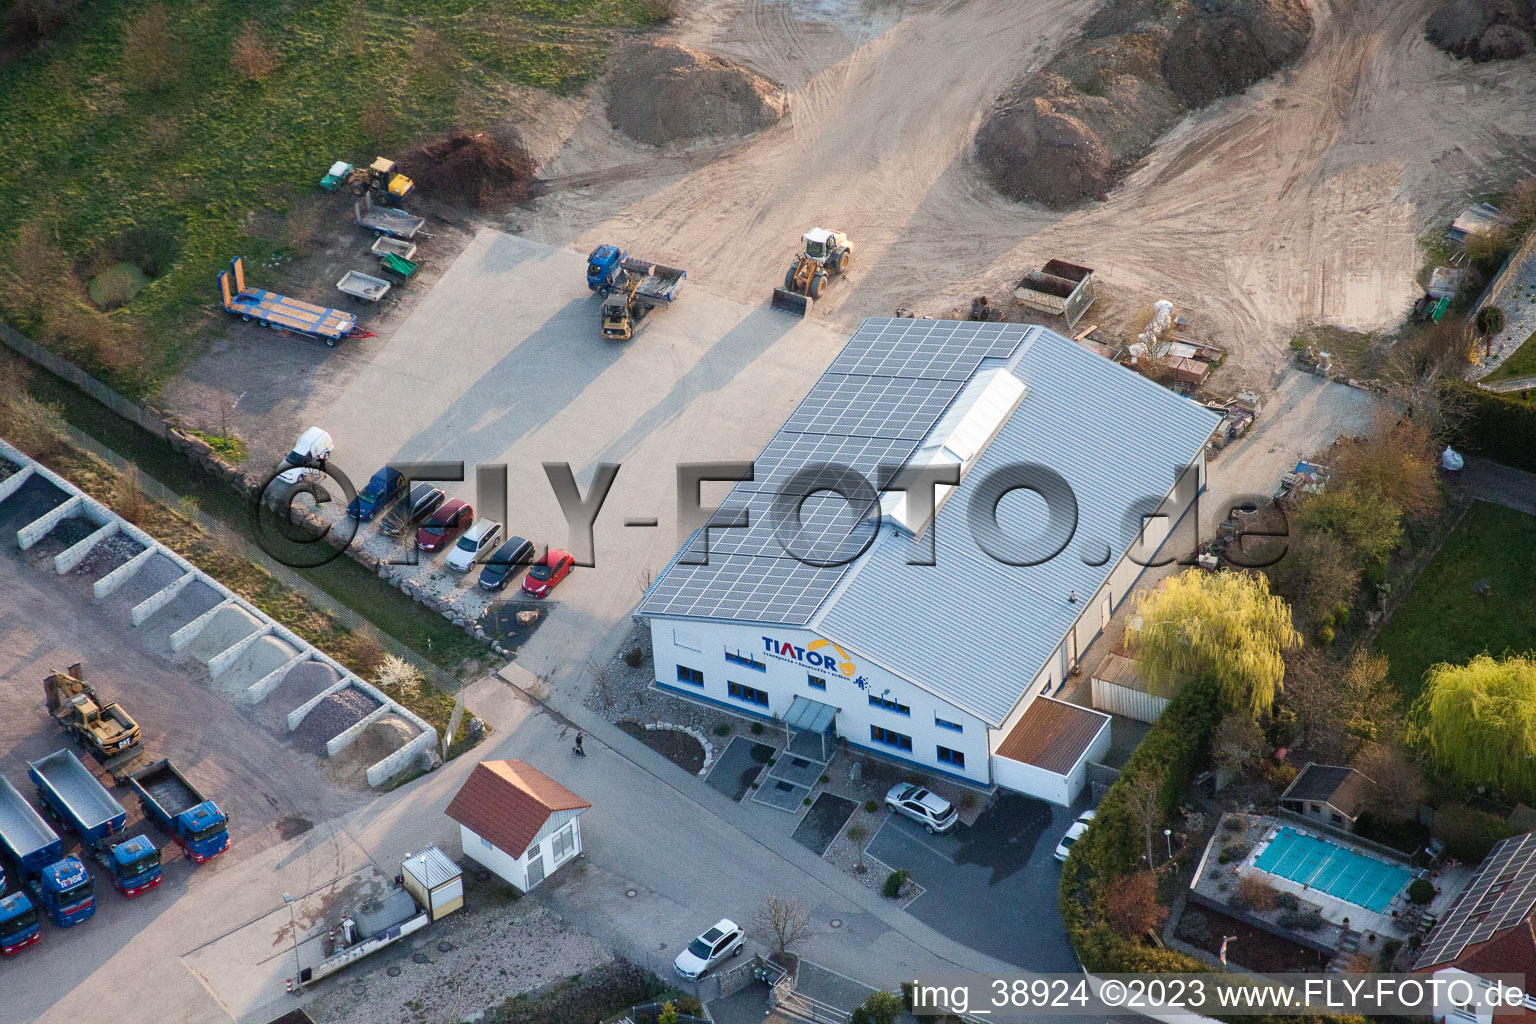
(1330, 868)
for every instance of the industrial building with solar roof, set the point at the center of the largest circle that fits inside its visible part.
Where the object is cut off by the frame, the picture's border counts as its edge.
(813, 614)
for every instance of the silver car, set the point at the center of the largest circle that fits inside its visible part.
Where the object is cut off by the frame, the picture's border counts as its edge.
(722, 941)
(930, 810)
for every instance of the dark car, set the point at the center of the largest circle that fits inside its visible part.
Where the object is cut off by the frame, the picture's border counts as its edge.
(546, 572)
(383, 487)
(444, 525)
(506, 562)
(424, 500)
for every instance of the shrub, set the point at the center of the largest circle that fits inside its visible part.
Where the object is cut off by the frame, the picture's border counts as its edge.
(723, 729)
(967, 801)
(870, 807)
(825, 779)
(1498, 427)
(1469, 834)
(635, 657)
(1196, 926)
(1287, 901)
(1421, 891)
(757, 728)
(1256, 893)
(1132, 906)
(893, 883)
(1302, 920)
(1233, 851)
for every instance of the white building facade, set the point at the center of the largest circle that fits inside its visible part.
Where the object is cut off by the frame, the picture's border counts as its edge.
(556, 845)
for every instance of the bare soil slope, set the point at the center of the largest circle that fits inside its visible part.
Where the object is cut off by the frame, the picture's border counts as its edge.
(662, 93)
(1065, 133)
(1483, 30)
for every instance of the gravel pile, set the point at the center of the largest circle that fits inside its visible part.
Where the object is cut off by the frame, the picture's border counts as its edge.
(254, 664)
(110, 554)
(227, 627)
(664, 93)
(337, 713)
(153, 576)
(301, 683)
(7, 467)
(378, 741)
(31, 500)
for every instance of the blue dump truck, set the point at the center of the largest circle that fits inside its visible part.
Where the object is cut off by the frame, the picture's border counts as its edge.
(18, 924)
(631, 288)
(71, 794)
(194, 822)
(55, 883)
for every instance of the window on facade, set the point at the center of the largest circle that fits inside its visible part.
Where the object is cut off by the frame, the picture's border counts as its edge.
(1338, 819)
(951, 726)
(746, 660)
(690, 675)
(486, 843)
(890, 738)
(565, 841)
(687, 640)
(815, 682)
(890, 704)
(953, 757)
(750, 694)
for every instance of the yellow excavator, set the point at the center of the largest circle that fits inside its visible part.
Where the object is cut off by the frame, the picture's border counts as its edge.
(824, 254)
(105, 729)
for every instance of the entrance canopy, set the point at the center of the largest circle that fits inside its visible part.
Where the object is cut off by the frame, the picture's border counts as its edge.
(811, 722)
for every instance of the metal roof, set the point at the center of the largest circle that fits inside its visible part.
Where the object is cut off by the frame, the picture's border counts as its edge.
(971, 629)
(1052, 735)
(431, 867)
(1500, 895)
(810, 715)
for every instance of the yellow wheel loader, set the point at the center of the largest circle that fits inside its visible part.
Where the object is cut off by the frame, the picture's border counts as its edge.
(824, 254)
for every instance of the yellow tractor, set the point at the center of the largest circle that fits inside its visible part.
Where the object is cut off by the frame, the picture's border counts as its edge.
(824, 254)
(105, 729)
(384, 180)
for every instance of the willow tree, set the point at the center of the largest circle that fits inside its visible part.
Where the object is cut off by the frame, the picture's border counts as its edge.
(1224, 628)
(1478, 721)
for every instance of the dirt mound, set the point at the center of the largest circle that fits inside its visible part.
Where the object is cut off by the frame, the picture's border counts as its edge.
(1483, 30)
(662, 93)
(1065, 133)
(471, 169)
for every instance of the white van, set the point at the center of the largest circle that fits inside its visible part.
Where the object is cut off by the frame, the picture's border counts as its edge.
(309, 452)
(476, 541)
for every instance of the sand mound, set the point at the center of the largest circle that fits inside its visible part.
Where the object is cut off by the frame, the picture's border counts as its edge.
(1483, 30)
(1065, 133)
(227, 627)
(472, 169)
(263, 657)
(662, 93)
(373, 744)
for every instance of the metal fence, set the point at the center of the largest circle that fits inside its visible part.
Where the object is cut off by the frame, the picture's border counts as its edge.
(59, 367)
(156, 491)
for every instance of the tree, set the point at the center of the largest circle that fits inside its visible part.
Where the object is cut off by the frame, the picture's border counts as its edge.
(1237, 741)
(786, 919)
(147, 49)
(856, 835)
(668, 1014)
(1478, 721)
(1399, 785)
(1224, 628)
(1370, 708)
(1132, 906)
(1367, 522)
(1395, 459)
(1141, 800)
(1490, 320)
(1316, 575)
(1313, 696)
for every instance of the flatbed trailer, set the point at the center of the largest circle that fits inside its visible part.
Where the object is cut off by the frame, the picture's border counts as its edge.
(363, 286)
(387, 220)
(280, 312)
(639, 287)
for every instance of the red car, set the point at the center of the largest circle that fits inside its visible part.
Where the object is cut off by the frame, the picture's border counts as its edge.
(445, 525)
(546, 572)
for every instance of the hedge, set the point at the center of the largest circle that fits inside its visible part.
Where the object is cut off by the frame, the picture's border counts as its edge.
(1178, 745)
(1499, 427)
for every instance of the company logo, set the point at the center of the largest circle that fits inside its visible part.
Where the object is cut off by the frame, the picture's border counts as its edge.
(819, 654)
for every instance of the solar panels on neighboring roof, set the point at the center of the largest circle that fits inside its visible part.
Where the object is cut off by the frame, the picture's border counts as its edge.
(1499, 896)
(874, 405)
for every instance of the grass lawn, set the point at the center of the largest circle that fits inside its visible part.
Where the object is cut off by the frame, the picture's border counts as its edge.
(179, 175)
(1444, 619)
(1521, 363)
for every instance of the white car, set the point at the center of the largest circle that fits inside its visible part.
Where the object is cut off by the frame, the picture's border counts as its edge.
(476, 541)
(311, 450)
(720, 942)
(1073, 835)
(930, 810)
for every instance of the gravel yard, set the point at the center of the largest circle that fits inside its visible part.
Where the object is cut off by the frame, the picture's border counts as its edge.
(497, 949)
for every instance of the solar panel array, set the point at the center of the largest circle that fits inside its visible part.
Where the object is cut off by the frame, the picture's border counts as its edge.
(877, 401)
(1499, 896)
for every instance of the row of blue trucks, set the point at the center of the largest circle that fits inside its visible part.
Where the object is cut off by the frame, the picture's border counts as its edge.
(38, 879)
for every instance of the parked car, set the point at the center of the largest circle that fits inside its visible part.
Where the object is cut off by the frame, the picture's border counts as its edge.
(424, 500)
(382, 488)
(722, 941)
(451, 519)
(930, 810)
(477, 540)
(309, 453)
(546, 572)
(506, 562)
(1073, 835)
